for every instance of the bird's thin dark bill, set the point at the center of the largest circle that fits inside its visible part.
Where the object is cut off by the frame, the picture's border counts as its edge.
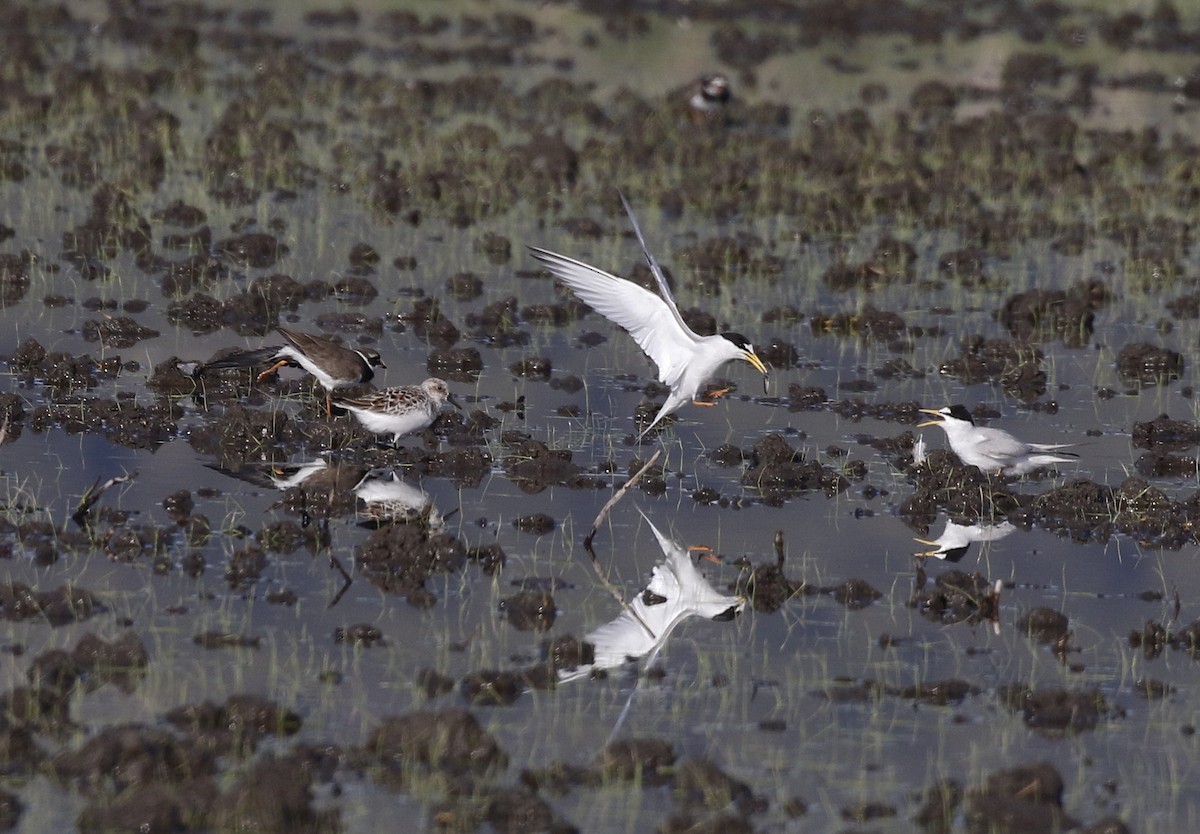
(450, 398)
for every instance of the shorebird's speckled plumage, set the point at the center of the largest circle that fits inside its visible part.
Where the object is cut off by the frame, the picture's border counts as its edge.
(401, 410)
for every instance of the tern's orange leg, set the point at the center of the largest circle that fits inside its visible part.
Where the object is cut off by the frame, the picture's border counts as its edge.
(712, 395)
(328, 403)
(273, 369)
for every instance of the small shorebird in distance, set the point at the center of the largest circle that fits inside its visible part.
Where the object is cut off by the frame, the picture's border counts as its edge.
(401, 410)
(685, 359)
(334, 366)
(992, 450)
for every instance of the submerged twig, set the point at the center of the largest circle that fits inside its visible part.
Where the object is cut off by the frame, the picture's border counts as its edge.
(617, 496)
(587, 541)
(335, 562)
(94, 494)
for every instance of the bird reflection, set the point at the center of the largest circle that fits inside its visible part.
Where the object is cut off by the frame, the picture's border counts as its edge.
(385, 497)
(676, 591)
(956, 539)
(317, 473)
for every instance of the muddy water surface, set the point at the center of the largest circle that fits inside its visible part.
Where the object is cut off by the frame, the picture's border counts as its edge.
(902, 207)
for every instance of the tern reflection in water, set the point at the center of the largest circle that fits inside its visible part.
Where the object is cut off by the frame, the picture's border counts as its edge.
(677, 591)
(956, 539)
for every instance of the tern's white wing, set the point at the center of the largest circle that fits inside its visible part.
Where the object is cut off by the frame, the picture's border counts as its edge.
(659, 278)
(650, 320)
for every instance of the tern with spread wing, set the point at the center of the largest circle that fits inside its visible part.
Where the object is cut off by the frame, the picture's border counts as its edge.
(685, 359)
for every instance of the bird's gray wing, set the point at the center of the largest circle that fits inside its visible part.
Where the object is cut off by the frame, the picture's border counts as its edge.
(649, 320)
(1000, 445)
(659, 278)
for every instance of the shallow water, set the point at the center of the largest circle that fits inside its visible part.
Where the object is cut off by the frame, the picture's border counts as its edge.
(748, 694)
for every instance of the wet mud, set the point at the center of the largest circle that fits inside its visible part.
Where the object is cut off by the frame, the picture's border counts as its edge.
(180, 180)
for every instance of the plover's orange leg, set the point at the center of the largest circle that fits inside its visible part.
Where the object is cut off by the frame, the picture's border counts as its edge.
(273, 369)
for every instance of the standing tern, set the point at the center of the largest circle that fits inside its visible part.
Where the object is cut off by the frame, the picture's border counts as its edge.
(992, 450)
(685, 359)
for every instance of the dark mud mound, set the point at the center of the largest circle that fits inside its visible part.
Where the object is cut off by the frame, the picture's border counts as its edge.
(399, 558)
(1087, 511)
(533, 466)
(964, 493)
(779, 472)
(451, 742)
(57, 607)
(1015, 365)
(957, 597)
(1057, 712)
(1164, 438)
(934, 693)
(1023, 800)
(274, 794)
(1045, 315)
(236, 726)
(31, 362)
(1144, 365)
(530, 610)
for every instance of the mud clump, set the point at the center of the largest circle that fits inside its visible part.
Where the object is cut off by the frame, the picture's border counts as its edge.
(871, 325)
(236, 726)
(450, 741)
(244, 435)
(700, 783)
(533, 467)
(779, 472)
(966, 494)
(455, 364)
(956, 597)
(116, 333)
(58, 607)
(768, 588)
(1087, 511)
(1057, 712)
(14, 278)
(32, 362)
(1044, 315)
(1045, 625)
(399, 558)
(627, 759)
(530, 610)
(536, 524)
(1166, 435)
(274, 794)
(1145, 365)
(363, 635)
(1017, 366)
(855, 594)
